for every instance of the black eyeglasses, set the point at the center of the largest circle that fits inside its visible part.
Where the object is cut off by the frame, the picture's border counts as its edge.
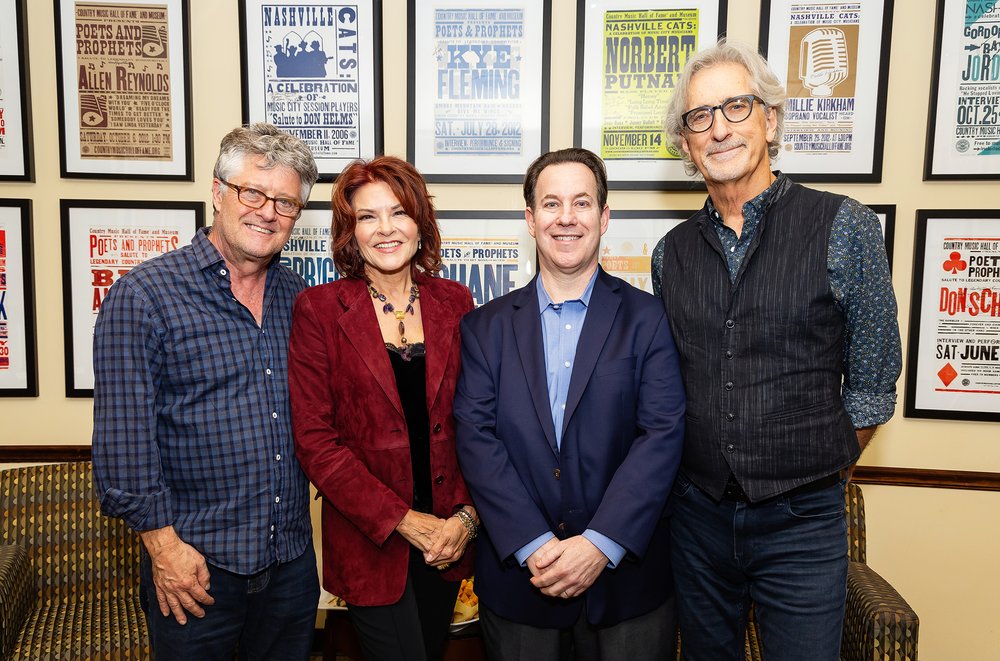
(735, 109)
(255, 199)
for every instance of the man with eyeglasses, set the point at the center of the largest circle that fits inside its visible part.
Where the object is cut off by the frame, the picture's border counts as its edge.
(781, 305)
(192, 442)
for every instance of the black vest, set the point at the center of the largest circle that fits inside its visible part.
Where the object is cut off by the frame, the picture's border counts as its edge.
(761, 358)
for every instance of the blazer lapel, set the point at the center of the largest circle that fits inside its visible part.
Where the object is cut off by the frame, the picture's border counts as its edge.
(604, 303)
(528, 336)
(437, 344)
(362, 330)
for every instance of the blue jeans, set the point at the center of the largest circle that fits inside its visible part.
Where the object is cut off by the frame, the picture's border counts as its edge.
(788, 555)
(269, 615)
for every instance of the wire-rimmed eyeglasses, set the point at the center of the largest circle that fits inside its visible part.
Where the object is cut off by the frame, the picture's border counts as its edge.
(734, 109)
(255, 199)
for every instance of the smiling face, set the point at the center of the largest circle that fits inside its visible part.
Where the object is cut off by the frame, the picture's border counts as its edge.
(729, 153)
(385, 234)
(566, 220)
(247, 236)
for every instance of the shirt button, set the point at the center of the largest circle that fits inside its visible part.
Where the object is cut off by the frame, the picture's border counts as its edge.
(272, 528)
(222, 271)
(730, 417)
(274, 414)
(566, 364)
(557, 473)
(268, 371)
(569, 326)
(730, 448)
(563, 406)
(729, 385)
(277, 499)
(277, 457)
(730, 323)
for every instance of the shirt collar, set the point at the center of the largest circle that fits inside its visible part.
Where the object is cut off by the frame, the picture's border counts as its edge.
(544, 300)
(760, 203)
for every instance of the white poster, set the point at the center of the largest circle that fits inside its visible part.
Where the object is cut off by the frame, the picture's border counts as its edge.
(490, 252)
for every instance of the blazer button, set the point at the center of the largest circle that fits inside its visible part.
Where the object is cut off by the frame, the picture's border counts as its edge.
(556, 473)
(439, 480)
(562, 527)
(437, 428)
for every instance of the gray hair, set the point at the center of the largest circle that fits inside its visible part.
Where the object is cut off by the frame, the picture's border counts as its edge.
(277, 147)
(762, 80)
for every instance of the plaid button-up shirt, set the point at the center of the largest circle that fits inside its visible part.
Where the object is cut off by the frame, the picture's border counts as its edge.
(192, 424)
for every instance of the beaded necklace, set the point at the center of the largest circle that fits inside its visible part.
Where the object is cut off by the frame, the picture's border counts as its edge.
(387, 307)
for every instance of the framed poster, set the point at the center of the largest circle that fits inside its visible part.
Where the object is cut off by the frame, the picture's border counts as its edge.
(887, 219)
(835, 110)
(101, 241)
(309, 249)
(490, 252)
(18, 364)
(124, 86)
(629, 56)
(627, 246)
(478, 96)
(315, 70)
(963, 126)
(953, 353)
(15, 105)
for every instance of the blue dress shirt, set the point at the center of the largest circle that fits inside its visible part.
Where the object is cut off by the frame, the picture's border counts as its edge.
(561, 326)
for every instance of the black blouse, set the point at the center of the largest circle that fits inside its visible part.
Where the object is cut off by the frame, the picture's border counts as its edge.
(409, 364)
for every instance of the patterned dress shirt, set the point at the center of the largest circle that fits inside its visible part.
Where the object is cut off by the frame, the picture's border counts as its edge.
(861, 285)
(191, 416)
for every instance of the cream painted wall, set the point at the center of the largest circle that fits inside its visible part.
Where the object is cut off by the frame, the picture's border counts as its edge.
(938, 547)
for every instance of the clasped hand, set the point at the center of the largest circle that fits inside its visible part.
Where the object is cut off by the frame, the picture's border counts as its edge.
(442, 541)
(566, 568)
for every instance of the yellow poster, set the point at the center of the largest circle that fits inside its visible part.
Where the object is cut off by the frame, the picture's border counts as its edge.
(644, 54)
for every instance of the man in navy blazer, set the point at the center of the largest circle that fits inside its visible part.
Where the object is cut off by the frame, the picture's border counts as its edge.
(569, 424)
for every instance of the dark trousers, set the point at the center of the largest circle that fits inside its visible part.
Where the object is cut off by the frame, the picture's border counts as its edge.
(788, 555)
(415, 628)
(269, 615)
(649, 637)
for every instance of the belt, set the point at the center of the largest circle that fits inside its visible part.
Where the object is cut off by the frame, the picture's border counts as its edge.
(734, 492)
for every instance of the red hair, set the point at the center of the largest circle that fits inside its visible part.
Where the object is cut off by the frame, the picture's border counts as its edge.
(409, 188)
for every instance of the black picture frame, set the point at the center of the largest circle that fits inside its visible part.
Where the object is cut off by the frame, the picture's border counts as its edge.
(365, 127)
(888, 213)
(154, 88)
(642, 172)
(452, 165)
(939, 163)
(81, 284)
(927, 373)
(14, 67)
(15, 214)
(874, 121)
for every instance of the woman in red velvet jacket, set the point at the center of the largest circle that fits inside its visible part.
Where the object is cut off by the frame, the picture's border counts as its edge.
(373, 360)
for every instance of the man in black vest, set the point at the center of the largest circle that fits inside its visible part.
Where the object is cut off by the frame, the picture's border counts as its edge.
(781, 305)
